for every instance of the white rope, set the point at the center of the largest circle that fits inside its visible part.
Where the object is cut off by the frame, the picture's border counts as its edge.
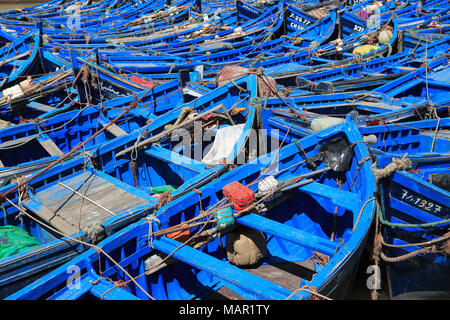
(267, 187)
(150, 219)
(134, 153)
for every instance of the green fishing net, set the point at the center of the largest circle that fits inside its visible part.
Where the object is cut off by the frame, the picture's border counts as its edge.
(161, 189)
(14, 240)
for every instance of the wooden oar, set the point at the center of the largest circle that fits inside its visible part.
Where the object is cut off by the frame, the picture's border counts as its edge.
(15, 58)
(169, 131)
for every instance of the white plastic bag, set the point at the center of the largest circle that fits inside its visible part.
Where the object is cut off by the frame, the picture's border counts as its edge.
(224, 144)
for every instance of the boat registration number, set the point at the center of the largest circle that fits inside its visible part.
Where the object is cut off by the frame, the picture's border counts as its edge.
(296, 26)
(353, 2)
(417, 201)
(358, 28)
(301, 20)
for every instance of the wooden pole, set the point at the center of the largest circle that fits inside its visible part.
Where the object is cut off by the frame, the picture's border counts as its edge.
(132, 105)
(169, 131)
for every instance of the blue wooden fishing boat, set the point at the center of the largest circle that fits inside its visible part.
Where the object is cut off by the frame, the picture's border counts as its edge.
(314, 243)
(132, 179)
(36, 97)
(97, 30)
(35, 146)
(96, 84)
(52, 93)
(5, 38)
(236, 30)
(101, 104)
(328, 109)
(19, 58)
(322, 57)
(433, 86)
(418, 138)
(297, 20)
(413, 206)
(38, 7)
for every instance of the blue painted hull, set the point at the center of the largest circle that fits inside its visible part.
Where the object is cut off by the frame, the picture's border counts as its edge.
(409, 200)
(206, 270)
(414, 213)
(85, 63)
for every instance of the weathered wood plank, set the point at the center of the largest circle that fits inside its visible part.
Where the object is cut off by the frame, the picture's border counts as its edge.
(51, 147)
(40, 106)
(116, 130)
(5, 124)
(50, 217)
(17, 142)
(77, 210)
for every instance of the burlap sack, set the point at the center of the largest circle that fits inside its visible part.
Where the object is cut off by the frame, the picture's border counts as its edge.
(229, 73)
(245, 247)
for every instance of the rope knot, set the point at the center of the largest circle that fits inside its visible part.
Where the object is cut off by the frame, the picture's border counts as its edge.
(397, 164)
(120, 283)
(256, 101)
(164, 198)
(259, 72)
(377, 246)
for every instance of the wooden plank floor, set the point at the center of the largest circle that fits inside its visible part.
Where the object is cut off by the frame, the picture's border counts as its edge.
(286, 274)
(66, 203)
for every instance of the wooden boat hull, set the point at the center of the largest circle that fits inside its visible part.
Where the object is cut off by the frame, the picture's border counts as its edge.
(406, 199)
(205, 271)
(413, 212)
(156, 166)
